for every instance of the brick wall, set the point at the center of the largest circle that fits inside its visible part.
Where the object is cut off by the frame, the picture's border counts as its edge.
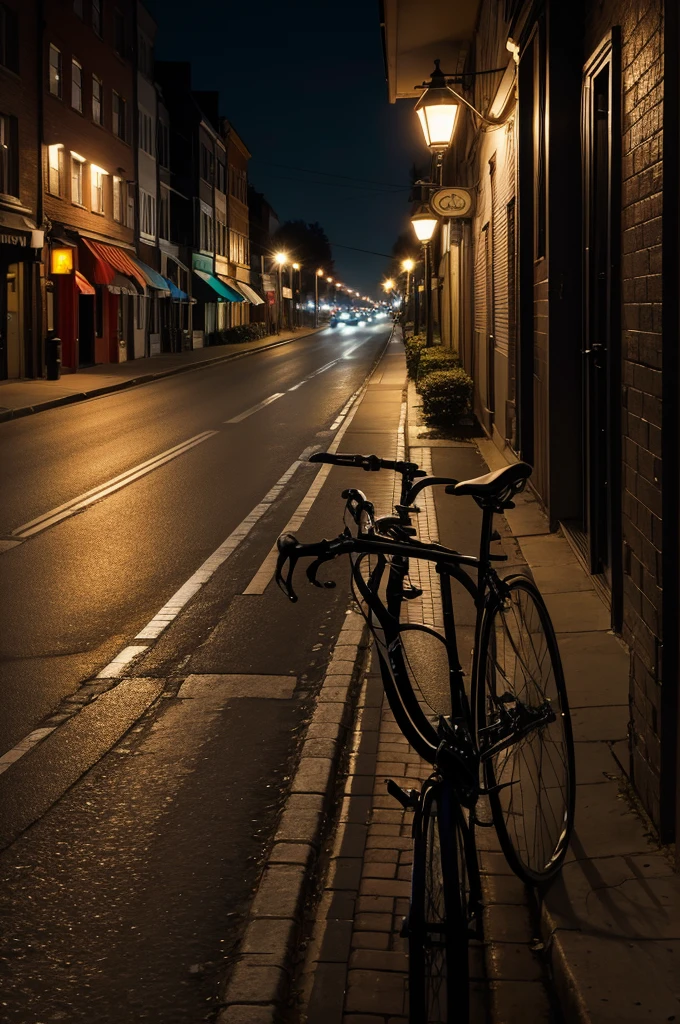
(19, 98)
(642, 181)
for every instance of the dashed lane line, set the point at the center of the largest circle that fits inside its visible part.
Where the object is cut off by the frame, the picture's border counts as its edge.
(255, 408)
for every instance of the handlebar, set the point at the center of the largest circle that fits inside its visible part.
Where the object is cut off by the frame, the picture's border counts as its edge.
(369, 463)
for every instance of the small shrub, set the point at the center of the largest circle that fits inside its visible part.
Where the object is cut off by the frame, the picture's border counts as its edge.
(433, 359)
(414, 347)
(446, 394)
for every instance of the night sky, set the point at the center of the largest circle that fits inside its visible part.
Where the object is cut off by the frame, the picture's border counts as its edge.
(303, 83)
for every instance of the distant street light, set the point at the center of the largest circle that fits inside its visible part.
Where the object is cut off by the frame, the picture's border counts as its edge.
(407, 265)
(280, 258)
(318, 274)
(296, 266)
(424, 224)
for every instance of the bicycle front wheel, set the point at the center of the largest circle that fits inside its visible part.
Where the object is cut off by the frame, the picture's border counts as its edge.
(531, 779)
(438, 928)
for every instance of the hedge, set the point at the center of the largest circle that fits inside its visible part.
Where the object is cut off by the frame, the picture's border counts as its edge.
(446, 394)
(433, 359)
(414, 346)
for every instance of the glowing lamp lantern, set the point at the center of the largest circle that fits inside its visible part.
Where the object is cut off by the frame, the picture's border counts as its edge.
(62, 261)
(424, 223)
(436, 110)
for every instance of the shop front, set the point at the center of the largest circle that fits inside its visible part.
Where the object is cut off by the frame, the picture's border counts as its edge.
(20, 345)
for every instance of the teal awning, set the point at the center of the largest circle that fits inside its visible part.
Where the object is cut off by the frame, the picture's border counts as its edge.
(175, 292)
(223, 291)
(153, 278)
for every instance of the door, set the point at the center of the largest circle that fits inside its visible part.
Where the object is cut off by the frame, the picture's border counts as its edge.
(85, 330)
(10, 364)
(601, 349)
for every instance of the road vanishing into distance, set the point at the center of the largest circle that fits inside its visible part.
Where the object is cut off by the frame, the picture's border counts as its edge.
(135, 562)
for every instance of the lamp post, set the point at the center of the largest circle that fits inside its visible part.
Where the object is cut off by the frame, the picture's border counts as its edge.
(407, 265)
(424, 223)
(437, 109)
(318, 274)
(280, 258)
(295, 266)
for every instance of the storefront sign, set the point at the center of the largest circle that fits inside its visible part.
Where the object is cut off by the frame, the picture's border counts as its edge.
(452, 202)
(204, 263)
(62, 261)
(287, 292)
(14, 239)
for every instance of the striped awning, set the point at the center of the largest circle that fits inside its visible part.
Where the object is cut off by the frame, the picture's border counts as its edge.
(109, 259)
(250, 293)
(83, 285)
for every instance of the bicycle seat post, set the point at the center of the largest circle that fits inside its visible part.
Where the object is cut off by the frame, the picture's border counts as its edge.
(485, 538)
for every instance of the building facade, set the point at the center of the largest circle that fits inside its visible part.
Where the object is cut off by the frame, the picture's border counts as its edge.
(560, 293)
(20, 193)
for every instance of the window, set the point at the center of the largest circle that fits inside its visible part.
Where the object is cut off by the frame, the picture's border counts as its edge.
(77, 179)
(78, 7)
(147, 213)
(146, 139)
(221, 179)
(164, 214)
(9, 39)
(119, 33)
(9, 156)
(97, 176)
(117, 200)
(97, 101)
(238, 184)
(144, 55)
(221, 238)
(130, 207)
(163, 144)
(76, 86)
(55, 164)
(206, 229)
(239, 248)
(206, 164)
(119, 114)
(97, 17)
(55, 71)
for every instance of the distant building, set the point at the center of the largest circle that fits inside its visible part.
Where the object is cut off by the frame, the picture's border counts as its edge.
(263, 224)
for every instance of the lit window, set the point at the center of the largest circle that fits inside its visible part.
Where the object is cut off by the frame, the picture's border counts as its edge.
(76, 179)
(55, 71)
(97, 176)
(117, 203)
(55, 162)
(97, 101)
(76, 86)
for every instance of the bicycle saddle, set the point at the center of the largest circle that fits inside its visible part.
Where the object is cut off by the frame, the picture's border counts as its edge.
(501, 483)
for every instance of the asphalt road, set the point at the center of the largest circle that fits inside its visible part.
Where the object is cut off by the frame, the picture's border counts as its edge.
(130, 871)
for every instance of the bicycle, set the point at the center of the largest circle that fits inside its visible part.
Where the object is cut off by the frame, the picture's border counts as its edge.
(510, 740)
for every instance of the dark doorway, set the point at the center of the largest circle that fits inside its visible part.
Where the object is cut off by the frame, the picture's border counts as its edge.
(85, 330)
(601, 336)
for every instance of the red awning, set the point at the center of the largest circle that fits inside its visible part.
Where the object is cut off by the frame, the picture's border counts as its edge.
(109, 259)
(83, 285)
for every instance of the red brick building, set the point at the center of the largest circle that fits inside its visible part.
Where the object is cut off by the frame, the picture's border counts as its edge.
(89, 179)
(561, 294)
(20, 192)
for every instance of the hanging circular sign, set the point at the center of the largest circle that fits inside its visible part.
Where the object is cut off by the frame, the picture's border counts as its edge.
(452, 202)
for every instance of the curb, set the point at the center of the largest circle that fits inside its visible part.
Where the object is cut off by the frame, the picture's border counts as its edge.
(260, 981)
(80, 396)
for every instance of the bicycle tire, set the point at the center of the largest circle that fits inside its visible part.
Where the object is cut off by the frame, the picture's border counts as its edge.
(534, 810)
(438, 927)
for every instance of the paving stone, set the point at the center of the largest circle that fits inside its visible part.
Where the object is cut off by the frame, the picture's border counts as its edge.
(384, 887)
(379, 904)
(373, 922)
(362, 764)
(244, 1014)
(253, 984)
(336, 944)
(345, 873)
(375, 992)
(377, 869)
(356, 809)
(597, 724)
(507, 924)
(329, 714)
(325, 730)
(388, 842)
(370, 940)
(513, 1001)
(299, 826)
(350, 840)
(313, 775)
(381, 856)
(327, 996)
(512, 961)
(361, 785)
(279, 892)
(494, 863)
(316, 747)
(333, 693)
(374, 960)
(506, 889)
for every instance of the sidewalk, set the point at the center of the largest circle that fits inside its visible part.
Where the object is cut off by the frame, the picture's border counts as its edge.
(21, 398)
(603, 943)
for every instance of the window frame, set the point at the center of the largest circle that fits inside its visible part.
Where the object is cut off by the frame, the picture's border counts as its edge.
(119, 34)
(119, 116)
(10, 132)
(79, 178)
(75, 64)
(9, 39)
(60, 171)
(97, 178)
(100, 100)
(98, 7)
(117, 199)
(58, 77)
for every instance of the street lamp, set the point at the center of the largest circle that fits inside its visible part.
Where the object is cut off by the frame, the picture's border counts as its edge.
(407, 265)
(437, 109)
(280, 258)
(318, 274)
(295, 266)
(424, 224)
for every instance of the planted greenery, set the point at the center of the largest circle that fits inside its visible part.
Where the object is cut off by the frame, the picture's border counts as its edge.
(414, 347)
(432, 359)
(446, 394)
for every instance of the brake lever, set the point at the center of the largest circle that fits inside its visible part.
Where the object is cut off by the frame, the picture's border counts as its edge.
(286, 545)
(312, 570)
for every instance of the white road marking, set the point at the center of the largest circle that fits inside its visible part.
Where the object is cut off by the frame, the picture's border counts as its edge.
(322, 369)
(23, 747)
(256, 408)
(170, 611)
(70, 508)
(296, 386)
(343, 412)
(117, 666)
(262, 577)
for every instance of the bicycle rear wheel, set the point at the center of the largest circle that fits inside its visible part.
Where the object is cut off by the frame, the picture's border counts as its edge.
(520, 668)
(438, 927)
